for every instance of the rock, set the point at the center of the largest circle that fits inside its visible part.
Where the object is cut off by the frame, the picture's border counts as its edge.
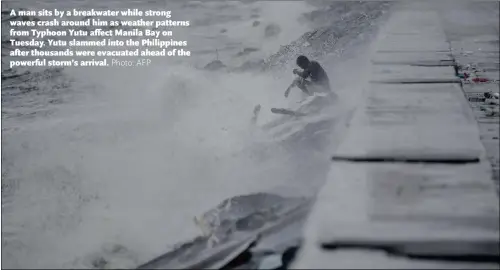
(255, 23)
(251, 65)
(214, 65)
(247, 51)
(271, 262)
(272, 30)
(223, 30)
(246, 213)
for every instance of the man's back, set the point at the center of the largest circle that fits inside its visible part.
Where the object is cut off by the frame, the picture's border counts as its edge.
(318, 74)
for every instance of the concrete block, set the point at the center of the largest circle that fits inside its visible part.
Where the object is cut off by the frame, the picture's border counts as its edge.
(419, 142)
(483, 43)
(479, 60)
(428, 121)
(415, 31)
(424, 22)
(404, 44)
(412, 74)
(313, 257)
(388, 193)
(413, 59)
(402, 203)
(417, 104)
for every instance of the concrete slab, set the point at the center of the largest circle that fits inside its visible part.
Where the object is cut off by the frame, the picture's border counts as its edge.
(413, 59)
(407, 104)
(313, 257)
(457, 195)
(416, 31)
(365, 203)
(424, 22)
(480, 63)
(475, 56)
(416, 81)
(403, 44)
(430, 99)
(417, 142)
(430, 121)
(472, 28)
(476, 46)
(408, 29)
(413, 31)
(419, 38)
(489, 66)
(412, 74)
(479, 39)
(420, 33)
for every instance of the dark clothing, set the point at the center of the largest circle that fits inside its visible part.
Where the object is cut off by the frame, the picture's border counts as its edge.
(317, 75)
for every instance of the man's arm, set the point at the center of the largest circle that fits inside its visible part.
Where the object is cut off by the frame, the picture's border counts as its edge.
(304, 74)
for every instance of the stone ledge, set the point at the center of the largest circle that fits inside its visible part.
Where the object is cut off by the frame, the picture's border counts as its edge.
(488, 45)
(416, 81)
(431, 121)
(315, 258)
(398, 73)
(418, 63)
(417, 142)
(402, 203)
(417, 43)
(413, 59)
(429, 195)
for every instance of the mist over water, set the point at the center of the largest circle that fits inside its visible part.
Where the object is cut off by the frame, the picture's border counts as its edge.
(99, 158)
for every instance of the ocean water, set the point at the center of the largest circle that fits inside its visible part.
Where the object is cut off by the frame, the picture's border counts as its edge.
(120, 160)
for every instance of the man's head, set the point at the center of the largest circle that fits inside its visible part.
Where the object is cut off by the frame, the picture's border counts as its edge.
(302, 62)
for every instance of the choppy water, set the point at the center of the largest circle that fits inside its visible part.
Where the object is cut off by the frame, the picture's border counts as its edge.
(119, 161)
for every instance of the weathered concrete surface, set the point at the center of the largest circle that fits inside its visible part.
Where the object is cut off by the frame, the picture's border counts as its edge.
(473, 31)
(373, 259)
(412, 74)
(438, 202)
(407, 121)
(413, 58)
(431, 208)
(403, 204)
(475, 54)
(425, 36)
(423, 49)
(414, 44)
